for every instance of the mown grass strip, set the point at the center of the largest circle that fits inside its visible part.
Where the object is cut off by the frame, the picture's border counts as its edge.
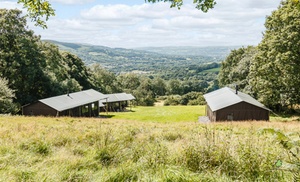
(162, 114)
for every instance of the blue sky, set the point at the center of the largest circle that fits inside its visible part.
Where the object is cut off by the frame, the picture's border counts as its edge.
(134, 23)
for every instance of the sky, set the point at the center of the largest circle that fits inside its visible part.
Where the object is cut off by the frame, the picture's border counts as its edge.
(134, 23)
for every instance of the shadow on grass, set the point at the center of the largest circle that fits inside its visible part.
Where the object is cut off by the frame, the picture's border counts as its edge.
(287, 116)
(128, 111)
(113, 115)
(107, 116)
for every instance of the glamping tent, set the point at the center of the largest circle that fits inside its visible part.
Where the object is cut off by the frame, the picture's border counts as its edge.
(227, 104)
(79, 104)
(117, 101)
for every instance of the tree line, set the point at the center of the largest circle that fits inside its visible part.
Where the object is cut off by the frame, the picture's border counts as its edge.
(271, 70)
(31, 69)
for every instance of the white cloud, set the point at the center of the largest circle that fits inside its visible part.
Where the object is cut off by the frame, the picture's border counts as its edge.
(10, 5)
(72, 1)
(231, 22)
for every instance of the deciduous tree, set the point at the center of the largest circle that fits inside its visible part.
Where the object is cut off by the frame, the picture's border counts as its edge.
(38, 10)
(275, 74)
(21, 60)
(104, 80)
(236, 67)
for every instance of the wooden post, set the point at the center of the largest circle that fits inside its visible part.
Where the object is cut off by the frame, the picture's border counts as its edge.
(79, 111)
(106, 107)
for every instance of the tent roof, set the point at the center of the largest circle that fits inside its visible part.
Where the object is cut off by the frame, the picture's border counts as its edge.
(118, 97)
(225, 97)
(130, 97)
(101, 104)
(68, 101)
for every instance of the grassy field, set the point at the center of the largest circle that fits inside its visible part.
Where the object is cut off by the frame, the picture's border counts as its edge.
(212, 70)
(169, 114)
(136, 148)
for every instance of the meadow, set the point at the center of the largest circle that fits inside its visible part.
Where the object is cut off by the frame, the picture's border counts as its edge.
(134, 146)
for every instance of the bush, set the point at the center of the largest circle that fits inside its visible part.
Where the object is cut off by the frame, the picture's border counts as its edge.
(172, 100)
(192, 98)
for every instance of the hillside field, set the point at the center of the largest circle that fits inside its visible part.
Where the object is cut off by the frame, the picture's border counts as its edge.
(131, 147)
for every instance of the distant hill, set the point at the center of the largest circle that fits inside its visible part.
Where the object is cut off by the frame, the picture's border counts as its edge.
(149, 59)
(218, 52)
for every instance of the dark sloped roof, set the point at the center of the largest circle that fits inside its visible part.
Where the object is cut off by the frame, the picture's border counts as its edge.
(225, 97)
(68, 101)
(118, 97)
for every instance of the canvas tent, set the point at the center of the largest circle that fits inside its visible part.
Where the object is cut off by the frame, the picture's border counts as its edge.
(227, 104)
(79, 104)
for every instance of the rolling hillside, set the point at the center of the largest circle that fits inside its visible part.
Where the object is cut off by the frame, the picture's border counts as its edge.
(145, 60)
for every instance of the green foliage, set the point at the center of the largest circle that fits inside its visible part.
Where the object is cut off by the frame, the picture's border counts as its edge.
(175, 87)
(191, 98)
(166, 63)
(78, 71)
(203, 5)
(6, 98)
(21, 61)
(291, 143)
(270, 71)
(159, 87)
(105, 80)
(35, 69)
(37, 10)
(275, 71)
(172, 100)
(140, 86)
(236, 67)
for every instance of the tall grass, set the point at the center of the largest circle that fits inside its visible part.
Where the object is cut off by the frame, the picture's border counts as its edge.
(82, 149)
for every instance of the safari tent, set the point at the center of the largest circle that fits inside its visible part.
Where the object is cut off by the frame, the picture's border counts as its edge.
(78, 104)
(227, 104)
(117, 102)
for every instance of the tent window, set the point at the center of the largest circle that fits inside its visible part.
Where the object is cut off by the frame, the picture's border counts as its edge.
(230, 117)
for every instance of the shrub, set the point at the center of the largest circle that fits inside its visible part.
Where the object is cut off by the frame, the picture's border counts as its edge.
(172, 100)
